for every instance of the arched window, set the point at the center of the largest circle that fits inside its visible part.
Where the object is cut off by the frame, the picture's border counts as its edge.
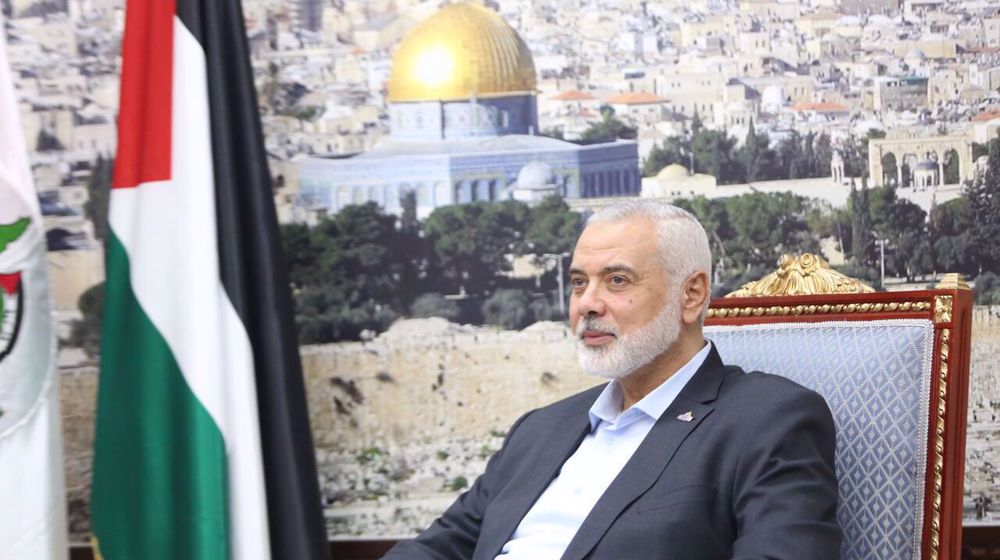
(482, 190)
(464, 193)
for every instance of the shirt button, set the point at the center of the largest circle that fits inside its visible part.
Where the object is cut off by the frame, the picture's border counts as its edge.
(577, 490)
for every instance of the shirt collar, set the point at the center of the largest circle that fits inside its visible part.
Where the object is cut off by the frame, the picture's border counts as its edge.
(608, 406)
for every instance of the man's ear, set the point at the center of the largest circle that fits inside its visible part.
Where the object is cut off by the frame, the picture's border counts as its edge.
(695, 293)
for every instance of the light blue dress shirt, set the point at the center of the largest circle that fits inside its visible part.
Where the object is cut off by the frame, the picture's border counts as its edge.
(556, 516)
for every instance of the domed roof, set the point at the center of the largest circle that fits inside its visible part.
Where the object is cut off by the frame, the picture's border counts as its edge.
(674, 171)
(462, 51)
(535, 174)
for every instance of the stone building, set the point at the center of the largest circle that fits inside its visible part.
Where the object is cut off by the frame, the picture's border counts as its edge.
(908, 92)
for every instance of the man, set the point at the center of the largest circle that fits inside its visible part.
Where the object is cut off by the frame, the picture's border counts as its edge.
(678, 457)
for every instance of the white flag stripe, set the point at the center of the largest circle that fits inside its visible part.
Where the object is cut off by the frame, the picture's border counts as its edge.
(33, 512)
(33, 505)
(168, 229)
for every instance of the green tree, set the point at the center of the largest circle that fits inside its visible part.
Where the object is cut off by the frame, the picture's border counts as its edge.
(509, 308)
(301, 252)
(872, 134)
(862, 236)
(696, 124)
(47, 142)
(714, 153)
(980, 150)
(952, 174)
(987, 289)
(326, 313)
(434, 305)
(671, 151)
(349, 273)
(951, 232)
(553, 227)
(890, 171)
(855, 163)
(880, 214)
(823, 152)
(984, 204)
(408, 222)
(609, 128)
(358, 251)
(826, 221)
(471, 241)
(98, 196)
(419, 272)
(752, 154)
(808, 167)
(555, 132)
(790, 156)
(765, 226)
(85, 333)
(855, 153)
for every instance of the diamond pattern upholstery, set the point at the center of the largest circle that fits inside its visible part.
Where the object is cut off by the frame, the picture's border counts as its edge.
(875, 376)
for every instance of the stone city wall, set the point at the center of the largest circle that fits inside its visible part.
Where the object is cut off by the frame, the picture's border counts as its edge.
(427, 379)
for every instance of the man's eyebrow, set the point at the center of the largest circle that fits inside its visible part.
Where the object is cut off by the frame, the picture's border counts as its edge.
(607, 270)
(619, 268)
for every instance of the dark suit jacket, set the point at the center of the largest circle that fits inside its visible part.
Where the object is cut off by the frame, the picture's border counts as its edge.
(750, 477)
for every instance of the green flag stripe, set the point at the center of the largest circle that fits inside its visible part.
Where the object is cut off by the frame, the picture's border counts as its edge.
(160, 483)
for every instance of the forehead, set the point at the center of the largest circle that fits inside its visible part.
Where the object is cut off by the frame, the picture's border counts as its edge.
(631, 242)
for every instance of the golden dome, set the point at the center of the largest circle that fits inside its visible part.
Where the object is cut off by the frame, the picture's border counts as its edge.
(462, 51)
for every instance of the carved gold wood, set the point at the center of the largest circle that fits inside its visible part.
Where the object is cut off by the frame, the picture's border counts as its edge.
(953, 281)
(942, 309)
(804, 274)
(939, 445)
(823, 309)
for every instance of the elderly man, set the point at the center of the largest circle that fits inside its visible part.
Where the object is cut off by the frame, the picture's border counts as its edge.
(679, 456)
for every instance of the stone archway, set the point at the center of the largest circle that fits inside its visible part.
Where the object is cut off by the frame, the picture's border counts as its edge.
(937, 145)
(907, 164)
(464, 191)
(891, 170)
(951, 168)
(481, 190)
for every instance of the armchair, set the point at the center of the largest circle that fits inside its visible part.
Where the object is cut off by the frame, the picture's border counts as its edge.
(894, 369)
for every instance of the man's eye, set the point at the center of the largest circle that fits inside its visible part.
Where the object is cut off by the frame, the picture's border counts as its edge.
(577, 282)
(618, 280)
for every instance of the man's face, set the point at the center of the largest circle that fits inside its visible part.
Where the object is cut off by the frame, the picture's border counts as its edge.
(619, 309)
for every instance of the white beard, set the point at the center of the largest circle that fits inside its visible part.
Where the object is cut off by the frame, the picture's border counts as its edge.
(629, 352)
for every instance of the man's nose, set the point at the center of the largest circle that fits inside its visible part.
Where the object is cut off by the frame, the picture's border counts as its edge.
(591, 302)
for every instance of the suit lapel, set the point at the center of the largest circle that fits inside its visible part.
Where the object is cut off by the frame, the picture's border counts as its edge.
(562, 441)
(652, 457)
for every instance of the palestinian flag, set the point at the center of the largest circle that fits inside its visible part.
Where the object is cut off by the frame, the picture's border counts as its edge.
(203, 448)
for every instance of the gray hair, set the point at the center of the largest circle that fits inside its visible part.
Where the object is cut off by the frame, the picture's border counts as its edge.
(683, 242)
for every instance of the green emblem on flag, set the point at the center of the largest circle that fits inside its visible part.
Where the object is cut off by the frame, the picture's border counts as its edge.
(10, 288)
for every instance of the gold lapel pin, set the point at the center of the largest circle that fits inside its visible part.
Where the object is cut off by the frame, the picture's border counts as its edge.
(686, 417)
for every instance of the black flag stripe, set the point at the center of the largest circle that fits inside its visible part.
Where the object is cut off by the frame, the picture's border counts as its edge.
(254, 277)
